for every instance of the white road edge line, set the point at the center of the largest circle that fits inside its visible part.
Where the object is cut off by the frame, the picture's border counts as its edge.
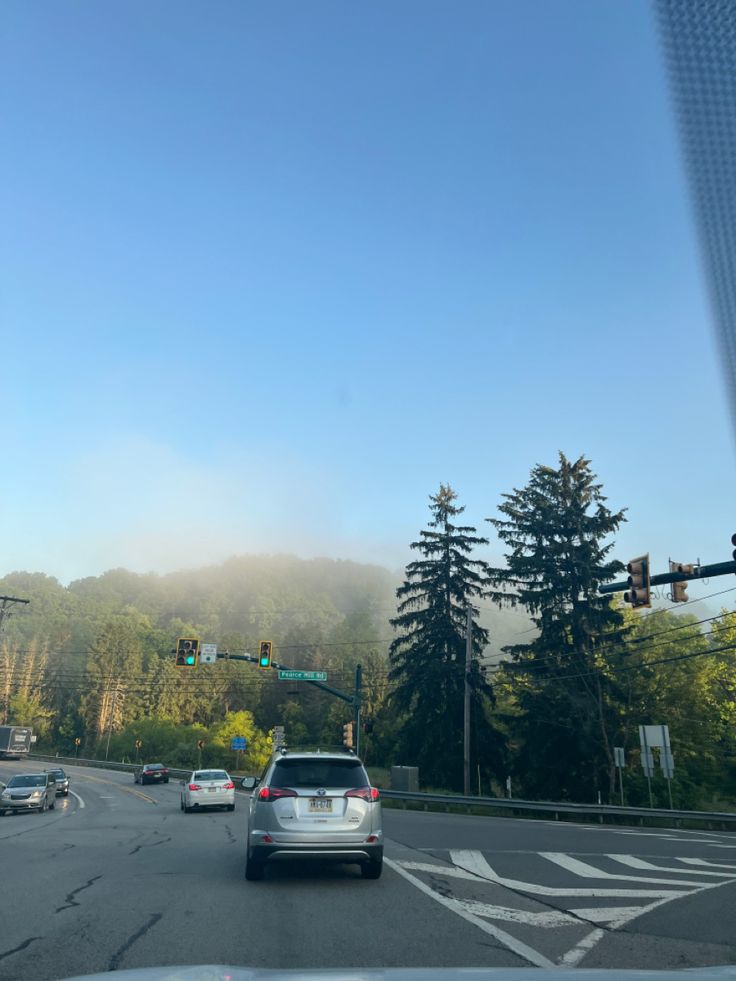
(516, 946)
(78, 798)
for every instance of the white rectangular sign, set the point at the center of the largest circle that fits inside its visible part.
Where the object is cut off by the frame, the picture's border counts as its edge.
(208, 654)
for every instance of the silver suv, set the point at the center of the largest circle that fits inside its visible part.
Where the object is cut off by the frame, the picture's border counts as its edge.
(314, 806)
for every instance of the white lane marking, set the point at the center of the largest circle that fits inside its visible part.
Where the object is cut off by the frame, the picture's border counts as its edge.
(517, 946)
(78, 798)
(573, 957)
(613, 915)
(704, 861)
(528, 918)
(698, 839)
(639, 863)
(586, 871)
(106, 797)
(473, 861)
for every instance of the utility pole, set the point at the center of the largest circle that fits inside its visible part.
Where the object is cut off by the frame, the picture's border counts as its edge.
(357, 704)
(6, 608)
(466, 708)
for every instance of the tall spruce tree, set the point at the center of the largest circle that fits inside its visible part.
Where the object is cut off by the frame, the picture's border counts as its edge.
(557, 534)
(428, 656)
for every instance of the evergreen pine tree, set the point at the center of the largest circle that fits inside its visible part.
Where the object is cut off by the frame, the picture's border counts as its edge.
(557, 535)
(428, 656)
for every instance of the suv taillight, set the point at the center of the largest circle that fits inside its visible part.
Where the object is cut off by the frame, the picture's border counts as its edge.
(275, 793)
(370, 794)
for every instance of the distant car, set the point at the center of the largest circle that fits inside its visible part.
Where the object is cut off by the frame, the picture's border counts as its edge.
(314, 806)
(29, 792)
(62, 781)
(207, 788)
(152, 773)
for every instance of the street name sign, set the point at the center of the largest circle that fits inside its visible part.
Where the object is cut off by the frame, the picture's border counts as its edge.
(302, 675)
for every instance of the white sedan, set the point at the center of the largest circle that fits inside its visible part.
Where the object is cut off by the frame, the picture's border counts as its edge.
(207, 788)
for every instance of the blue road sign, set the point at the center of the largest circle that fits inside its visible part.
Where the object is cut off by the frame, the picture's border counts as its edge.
(238, 742)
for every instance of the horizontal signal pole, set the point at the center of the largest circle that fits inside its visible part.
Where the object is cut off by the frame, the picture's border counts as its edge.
(699, 572)
(350, 699)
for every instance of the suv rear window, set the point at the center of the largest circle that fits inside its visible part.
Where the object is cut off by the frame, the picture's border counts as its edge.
(330, 774)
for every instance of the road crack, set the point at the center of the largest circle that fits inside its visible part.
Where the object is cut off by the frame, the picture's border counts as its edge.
(147, 845)
(26, 943)
(15, 950)
(70, 900)
(118, 955)
(231, 836)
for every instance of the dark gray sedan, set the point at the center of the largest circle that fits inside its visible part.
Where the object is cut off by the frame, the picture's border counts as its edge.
(62, 781)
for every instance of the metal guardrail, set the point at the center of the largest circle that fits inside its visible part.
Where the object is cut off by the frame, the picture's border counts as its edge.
(100, 764)
(557, 808)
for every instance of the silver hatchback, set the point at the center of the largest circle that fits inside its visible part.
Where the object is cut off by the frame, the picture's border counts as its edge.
(314, 806)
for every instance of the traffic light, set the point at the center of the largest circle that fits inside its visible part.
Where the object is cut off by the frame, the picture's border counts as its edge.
(679, 589)
(640, 593)
(347, 735)
(187, 652)
(265, 651)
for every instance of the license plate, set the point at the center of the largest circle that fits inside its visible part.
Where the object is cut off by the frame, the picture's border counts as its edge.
(320, 805)
(212, 790)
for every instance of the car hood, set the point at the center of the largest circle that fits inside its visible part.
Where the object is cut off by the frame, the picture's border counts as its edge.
(219, 972)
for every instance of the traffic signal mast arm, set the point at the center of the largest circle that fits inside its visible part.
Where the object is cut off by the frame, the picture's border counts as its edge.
(699, 572)
(350, 699)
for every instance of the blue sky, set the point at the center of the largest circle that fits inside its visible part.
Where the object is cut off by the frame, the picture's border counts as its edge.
(271, 272)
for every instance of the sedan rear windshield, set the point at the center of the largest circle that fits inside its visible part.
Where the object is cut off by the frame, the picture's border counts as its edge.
(330, 774)
(211, 775)
(37, 780)
(154, 766)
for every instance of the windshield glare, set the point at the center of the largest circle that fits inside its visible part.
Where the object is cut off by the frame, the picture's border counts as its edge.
(30, 781)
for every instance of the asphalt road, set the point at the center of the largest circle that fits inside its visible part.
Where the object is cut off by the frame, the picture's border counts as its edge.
(118, 877)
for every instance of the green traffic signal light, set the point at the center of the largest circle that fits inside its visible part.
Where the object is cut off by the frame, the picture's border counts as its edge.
(265, 652)
(187, 652)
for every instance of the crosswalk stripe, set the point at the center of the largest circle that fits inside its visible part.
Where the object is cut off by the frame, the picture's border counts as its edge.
(586, 871)
(704, 861)
(612, 915)
(546, 918)
(639, 863)
(473, 861)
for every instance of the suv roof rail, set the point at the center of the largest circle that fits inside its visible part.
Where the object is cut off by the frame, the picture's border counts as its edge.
(317, 750)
